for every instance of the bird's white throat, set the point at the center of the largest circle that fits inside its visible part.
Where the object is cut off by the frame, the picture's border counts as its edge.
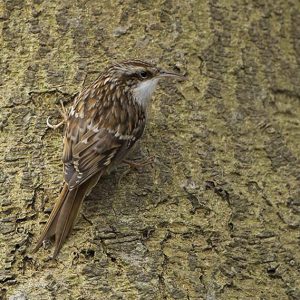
(144, 91)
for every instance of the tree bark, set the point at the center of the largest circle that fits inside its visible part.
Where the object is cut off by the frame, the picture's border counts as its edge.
(217, 216)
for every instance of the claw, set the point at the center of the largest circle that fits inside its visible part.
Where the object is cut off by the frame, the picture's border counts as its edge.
(135, 165)
(63, 113)
(54, 126)
(139, 164)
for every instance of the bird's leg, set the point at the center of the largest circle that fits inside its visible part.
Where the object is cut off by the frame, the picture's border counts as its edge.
(135, 165)
(64, 115)
(139, 164)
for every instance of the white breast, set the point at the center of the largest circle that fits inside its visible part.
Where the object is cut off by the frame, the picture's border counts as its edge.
(143, 92)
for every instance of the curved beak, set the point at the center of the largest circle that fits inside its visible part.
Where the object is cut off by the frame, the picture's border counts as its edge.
(166, 74)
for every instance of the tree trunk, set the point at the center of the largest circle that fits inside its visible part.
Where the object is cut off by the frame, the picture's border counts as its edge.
(217, 214)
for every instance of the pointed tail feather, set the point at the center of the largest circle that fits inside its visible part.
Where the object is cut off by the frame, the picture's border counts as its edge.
(64, 213)
(49, 229)
(67, 217)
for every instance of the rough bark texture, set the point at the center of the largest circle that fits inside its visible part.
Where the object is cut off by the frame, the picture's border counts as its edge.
(218, 214)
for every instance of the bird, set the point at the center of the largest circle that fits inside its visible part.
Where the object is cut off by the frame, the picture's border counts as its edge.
(105, 121)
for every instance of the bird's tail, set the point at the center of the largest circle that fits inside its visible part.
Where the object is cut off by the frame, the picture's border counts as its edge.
(64, 213)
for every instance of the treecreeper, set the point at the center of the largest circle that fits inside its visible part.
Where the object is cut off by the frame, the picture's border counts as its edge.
(107, 118)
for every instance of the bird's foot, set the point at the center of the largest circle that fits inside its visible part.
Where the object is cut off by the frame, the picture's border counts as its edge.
(64, 115)
(139, 164)
(135, 165)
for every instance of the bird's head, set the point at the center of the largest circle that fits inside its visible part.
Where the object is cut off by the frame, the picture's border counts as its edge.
(139, 77)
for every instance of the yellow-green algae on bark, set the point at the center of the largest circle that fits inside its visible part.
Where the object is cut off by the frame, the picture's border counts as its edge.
(217, 215)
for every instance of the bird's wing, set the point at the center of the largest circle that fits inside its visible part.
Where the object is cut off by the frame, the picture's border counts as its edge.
(96, 134)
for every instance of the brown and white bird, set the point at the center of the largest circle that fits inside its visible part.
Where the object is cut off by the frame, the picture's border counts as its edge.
(105, 121)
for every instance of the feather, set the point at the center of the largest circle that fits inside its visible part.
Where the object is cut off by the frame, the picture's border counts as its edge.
(106, 120)
(64, 214)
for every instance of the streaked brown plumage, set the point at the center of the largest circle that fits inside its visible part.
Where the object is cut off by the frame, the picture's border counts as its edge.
(105, 121)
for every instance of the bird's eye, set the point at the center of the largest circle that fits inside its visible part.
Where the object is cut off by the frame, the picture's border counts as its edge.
(144, 74)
